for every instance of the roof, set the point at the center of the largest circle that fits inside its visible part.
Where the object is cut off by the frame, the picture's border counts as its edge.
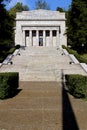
(40, 15)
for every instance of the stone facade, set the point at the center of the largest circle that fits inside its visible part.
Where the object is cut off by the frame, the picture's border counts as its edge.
(40, 28)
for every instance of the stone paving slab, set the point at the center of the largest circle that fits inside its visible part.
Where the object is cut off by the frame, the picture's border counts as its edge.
(43, 106)
(40, 111)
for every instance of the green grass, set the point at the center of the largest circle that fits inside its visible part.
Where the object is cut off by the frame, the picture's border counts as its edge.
(82, 58)
(3, 54)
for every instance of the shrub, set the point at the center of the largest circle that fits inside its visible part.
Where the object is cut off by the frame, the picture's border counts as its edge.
(17, 46)
(4, 88)
(1, 59)
(5, 46)
(77, 85)
(79, 57)
(9, 83)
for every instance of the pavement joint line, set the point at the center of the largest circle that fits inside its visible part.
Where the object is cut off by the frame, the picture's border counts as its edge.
(41, 109)
(37, 97)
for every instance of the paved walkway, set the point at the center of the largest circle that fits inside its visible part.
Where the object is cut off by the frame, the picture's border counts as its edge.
(43, 106)
(42, 103)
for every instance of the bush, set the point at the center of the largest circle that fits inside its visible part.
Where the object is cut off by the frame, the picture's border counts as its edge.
(79, 57)
(17, 46)
(4, 88)
(77, 85)
(5, 46)
(1, 59)
(9, 83)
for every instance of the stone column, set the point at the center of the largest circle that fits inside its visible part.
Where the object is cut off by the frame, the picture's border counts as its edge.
(31, 44)
(37, 38)
(51, 38)
(23, 38)
(58, 39)
(44, 38)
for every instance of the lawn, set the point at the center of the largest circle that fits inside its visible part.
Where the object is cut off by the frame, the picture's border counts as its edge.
(84, 56)
(4, 53)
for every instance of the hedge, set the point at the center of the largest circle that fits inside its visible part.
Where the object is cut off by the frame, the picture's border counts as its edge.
(9, 82)
(79, 57)
(77, 85)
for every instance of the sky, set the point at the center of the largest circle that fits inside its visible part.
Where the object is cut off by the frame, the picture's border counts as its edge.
(52, 3)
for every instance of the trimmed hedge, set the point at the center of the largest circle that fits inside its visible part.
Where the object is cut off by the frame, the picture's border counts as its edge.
(77, 85)
(9, 82)
(79, 57)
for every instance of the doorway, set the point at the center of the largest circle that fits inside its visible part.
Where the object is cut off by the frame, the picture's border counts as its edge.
(40, 38)
(40, 41)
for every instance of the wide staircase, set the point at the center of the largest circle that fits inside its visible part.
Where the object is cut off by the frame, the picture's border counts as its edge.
(42, 64)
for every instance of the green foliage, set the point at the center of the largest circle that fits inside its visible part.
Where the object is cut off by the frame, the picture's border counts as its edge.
(9, 82)
(17, 46)
(5, 43)
(4, 88)
(5, 46)
(84, 55)
(18, 8)
(76, 23)
(78, 56)
(60, 9)
(1, 59)
(6, 28)
(40, 4)
(77, 85)
(11, 50)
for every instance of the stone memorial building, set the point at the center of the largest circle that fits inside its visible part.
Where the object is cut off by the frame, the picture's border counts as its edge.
(40, 28)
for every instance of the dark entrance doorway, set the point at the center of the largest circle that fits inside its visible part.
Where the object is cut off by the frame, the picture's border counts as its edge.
(40, 38)
(40, 41)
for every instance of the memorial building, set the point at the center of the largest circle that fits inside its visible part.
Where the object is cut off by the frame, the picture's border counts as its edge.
(40, 28)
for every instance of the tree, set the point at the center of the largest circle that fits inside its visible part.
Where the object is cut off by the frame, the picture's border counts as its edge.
(5, 22)
(41, 5)
(6, 30)
(60, 9)
(18, 8)
(76, 23)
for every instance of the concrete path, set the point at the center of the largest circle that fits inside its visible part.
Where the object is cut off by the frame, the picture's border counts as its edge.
(42, 103)
(36, 107)
(43, 106)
